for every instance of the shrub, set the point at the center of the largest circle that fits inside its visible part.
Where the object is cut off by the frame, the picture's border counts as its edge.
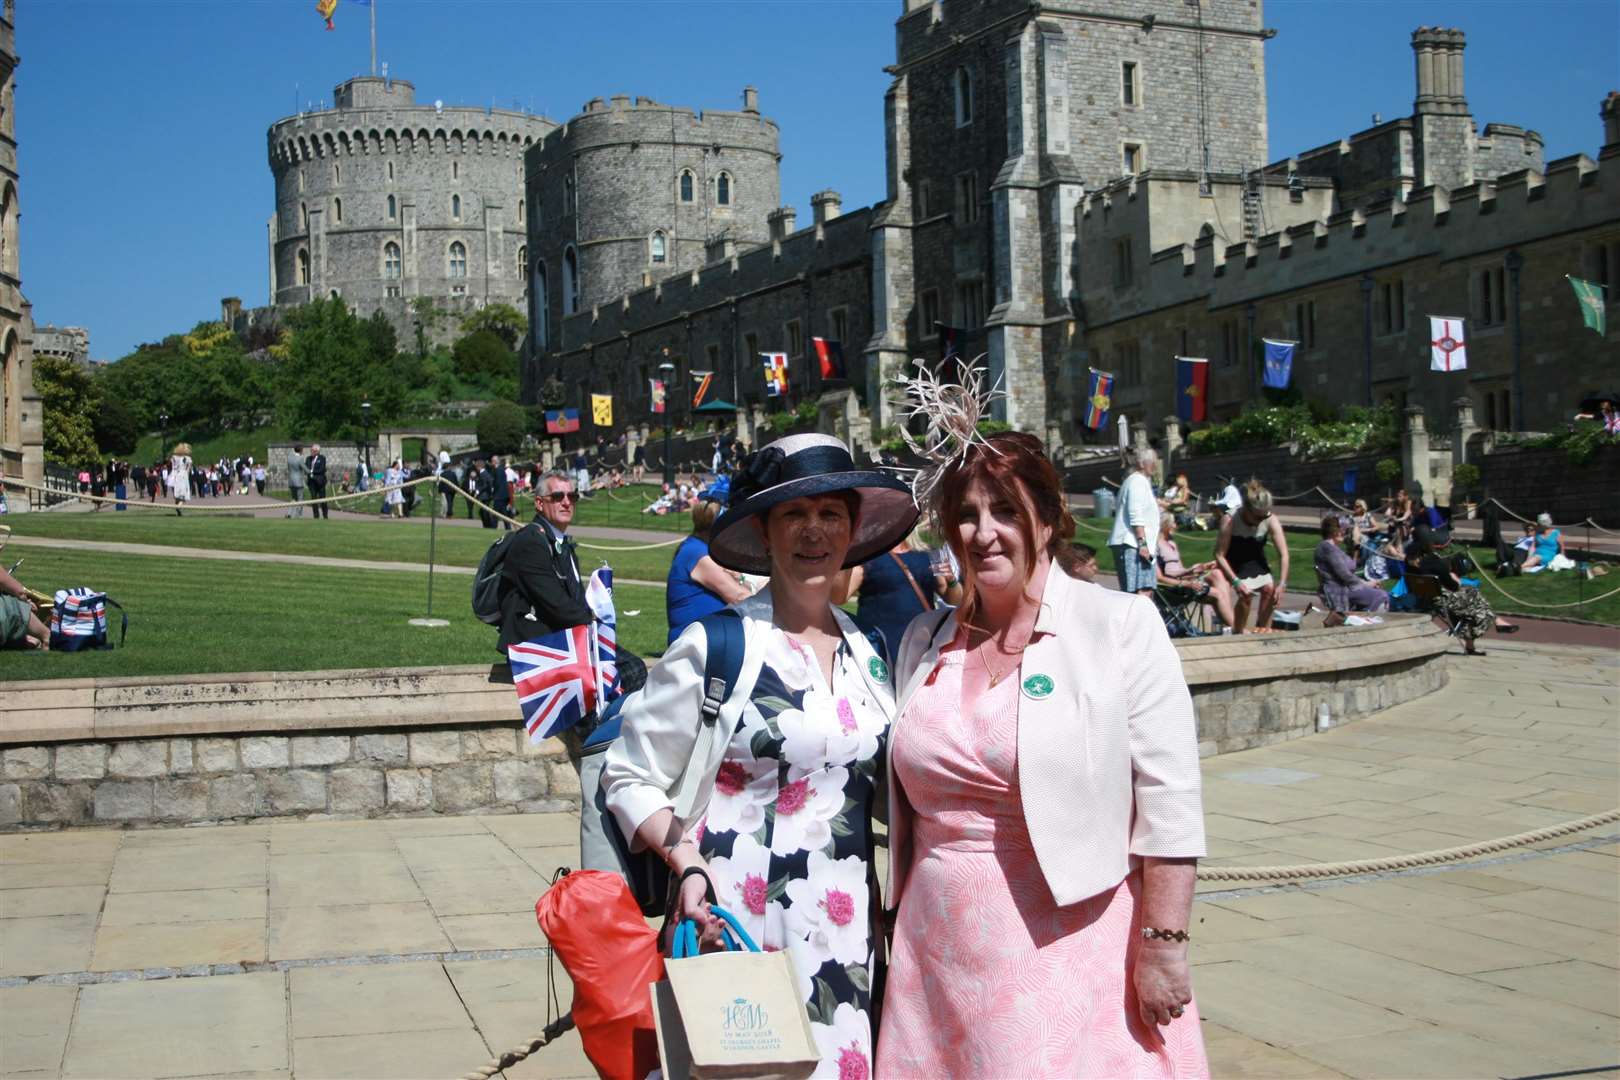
(1389, 471)
(501, 427)
(482, 354)
(1465, 478)
(115, 428)
(1310, 424)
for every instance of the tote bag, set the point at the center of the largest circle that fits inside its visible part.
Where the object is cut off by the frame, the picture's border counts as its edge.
(731, 1014)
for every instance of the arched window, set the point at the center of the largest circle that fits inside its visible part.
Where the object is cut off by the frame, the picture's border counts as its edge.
(7, 425)
(455, 207)
(458, 260)
(337, 209)
(303, 266)
(521, 204)
(540, 307)
(659, 247)
(722, 190)
(455, 170)
(570, 282)
(300, 181)
(391, 261)
(686, 185)
(8, 229)
(337, 173)
(303, 213)
(390, 170)
(393, 208)
(962, 92)
(568, 195)
(523, 262)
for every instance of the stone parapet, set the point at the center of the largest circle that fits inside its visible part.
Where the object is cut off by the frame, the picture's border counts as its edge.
(209, 748)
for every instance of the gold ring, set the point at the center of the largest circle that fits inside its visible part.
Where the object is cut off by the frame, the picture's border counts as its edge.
(1177, 1011)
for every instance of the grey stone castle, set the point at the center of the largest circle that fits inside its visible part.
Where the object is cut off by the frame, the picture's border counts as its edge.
(380, 200)
(1069, 188)
(1076, 189)
(22, 438)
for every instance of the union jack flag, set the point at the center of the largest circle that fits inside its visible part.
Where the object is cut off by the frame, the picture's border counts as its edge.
(556, 678)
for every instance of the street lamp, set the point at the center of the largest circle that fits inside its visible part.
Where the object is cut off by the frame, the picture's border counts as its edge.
(1515, 263)
(667, 370)
(365, 428)
(163, 425)
(1366, 333)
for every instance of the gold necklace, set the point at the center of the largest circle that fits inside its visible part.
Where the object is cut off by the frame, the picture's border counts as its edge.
(994, 676)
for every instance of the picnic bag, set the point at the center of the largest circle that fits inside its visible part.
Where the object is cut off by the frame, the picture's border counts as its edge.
(732, 1013)
(79, 620)
(611, 954)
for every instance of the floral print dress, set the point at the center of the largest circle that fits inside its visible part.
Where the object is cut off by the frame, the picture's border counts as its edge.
(787, 834)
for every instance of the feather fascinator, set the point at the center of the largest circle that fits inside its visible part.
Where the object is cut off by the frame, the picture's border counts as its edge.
(950, 412)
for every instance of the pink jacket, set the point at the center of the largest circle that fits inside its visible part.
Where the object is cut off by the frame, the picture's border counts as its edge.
(1107, 755)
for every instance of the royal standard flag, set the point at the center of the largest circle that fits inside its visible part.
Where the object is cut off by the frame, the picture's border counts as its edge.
(1279, 367)
(1590, 295)
(1192, 389)
(602, 410)
(1098, 400)
(326, 8)
(776, 376)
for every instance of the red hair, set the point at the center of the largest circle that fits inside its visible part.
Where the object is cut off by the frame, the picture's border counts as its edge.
(1012, 461)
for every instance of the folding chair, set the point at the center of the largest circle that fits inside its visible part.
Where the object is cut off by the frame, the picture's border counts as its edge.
(1182, 613)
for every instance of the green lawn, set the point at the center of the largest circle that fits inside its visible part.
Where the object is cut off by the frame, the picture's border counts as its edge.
(206, 450)
(379, 539)
(195, 615)
(619, 509)
(1562, 588)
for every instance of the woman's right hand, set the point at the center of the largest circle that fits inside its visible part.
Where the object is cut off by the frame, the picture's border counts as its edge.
(693, 903)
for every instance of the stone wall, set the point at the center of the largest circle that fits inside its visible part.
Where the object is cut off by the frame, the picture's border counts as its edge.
(1530, 482)
(468, 769)
(1280, 468)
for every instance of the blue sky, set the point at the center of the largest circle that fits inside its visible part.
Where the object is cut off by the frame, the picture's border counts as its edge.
(141, 123)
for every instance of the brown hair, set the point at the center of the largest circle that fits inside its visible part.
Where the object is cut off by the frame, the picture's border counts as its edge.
(1011, 461)
(1331, 525)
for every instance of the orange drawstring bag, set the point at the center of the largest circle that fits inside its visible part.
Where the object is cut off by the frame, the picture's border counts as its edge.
(607, 948)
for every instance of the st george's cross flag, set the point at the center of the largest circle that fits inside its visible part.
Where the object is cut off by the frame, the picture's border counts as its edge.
(1279, 363)
(1590, 296)
(1192, 389)
(1447, 351)
(1098, 400)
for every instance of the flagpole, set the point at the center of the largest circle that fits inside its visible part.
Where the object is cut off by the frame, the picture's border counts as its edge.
(374, 38)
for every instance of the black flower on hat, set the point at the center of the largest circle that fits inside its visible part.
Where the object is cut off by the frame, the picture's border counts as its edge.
(758, 471)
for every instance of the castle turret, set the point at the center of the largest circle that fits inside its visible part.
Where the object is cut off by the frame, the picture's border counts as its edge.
(1610, 111)
(1444, 137)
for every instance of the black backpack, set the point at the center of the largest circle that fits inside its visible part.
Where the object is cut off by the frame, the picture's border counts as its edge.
(486, 586)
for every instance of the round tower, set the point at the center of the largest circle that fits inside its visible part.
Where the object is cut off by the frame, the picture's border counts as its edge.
(380, 200)
(629, 192)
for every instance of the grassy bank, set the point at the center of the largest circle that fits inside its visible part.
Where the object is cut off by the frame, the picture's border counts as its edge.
(198, 615)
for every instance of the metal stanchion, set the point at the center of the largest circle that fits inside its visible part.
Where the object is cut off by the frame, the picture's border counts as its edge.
(433, 532)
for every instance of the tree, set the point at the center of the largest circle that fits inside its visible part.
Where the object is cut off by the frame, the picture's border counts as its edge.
(115, 429)
(334, 362)
(503, 320)
(483, 357)
(68, 394)
(501, 427)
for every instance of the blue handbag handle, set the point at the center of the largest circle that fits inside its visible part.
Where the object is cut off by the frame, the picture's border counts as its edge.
(732, 936)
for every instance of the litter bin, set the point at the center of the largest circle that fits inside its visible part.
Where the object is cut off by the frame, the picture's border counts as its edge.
(1102, 502)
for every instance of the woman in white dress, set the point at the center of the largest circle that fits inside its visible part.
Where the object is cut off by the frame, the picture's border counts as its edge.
(180, 476)
(395, 498)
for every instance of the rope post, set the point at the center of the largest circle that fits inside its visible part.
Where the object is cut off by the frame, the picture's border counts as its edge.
(433, 533)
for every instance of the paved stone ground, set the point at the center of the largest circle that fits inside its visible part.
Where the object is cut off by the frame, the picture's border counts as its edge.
(408, 947)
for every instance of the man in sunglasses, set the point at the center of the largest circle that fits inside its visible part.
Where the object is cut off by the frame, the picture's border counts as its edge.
(541, 589)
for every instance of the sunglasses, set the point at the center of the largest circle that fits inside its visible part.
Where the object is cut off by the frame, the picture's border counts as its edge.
(562, 497)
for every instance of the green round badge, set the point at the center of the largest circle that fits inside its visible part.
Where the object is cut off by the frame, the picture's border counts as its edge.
(879, 670)
(1038, 686)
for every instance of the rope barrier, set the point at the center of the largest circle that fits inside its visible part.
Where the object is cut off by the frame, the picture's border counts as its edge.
(1483, 576)
(501, 1062)
(1403, 862)
(134, 503)
(475, 501)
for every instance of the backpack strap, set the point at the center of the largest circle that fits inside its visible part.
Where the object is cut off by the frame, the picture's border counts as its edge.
(723, 662)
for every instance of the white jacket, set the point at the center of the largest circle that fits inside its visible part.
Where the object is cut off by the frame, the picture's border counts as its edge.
(1137, 506)
(665, 756)
(1107, 758)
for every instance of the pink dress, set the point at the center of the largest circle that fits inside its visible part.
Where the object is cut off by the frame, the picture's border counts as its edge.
(989, 977)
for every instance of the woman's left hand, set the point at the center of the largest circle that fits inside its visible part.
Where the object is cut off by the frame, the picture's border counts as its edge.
(1163, 987)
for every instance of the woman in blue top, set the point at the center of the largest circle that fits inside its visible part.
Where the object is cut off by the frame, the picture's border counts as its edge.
(697, 585)
(1549, 545)
(895, 588)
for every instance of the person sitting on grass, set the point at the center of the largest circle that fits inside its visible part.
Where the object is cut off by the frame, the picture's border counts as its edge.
(1204, 578)
(20, 625)
(1462, 604)
(1337, 584)
(1548, 546)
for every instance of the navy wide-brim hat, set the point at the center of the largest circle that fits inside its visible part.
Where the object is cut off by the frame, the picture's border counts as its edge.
(793, 468)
